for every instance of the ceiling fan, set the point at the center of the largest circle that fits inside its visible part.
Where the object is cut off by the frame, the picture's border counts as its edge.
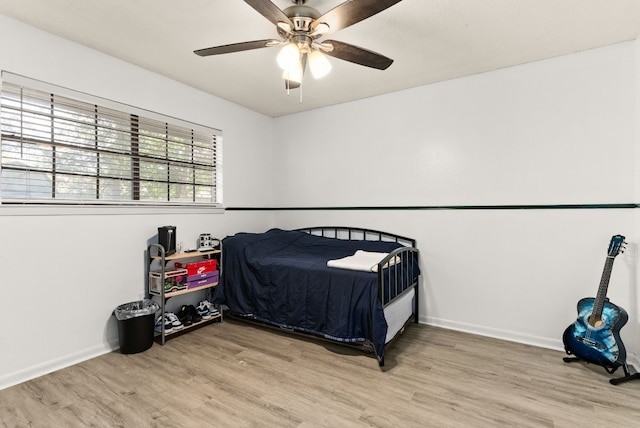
(301, 28)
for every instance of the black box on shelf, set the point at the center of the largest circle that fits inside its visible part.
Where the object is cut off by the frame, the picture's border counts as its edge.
(167, 238)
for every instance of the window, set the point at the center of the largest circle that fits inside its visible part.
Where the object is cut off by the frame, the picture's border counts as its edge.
(61, 146)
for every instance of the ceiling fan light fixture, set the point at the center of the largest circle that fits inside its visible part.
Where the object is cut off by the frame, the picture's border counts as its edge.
(288, 57)
(300, 29)
(294, 74)
(319, 64)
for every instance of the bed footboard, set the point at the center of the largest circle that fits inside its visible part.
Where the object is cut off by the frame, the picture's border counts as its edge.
(396, 276)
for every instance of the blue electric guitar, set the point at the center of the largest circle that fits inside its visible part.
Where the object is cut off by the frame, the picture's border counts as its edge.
(595, 336)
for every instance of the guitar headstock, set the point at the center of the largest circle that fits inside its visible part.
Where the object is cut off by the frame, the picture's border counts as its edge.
(616, 246)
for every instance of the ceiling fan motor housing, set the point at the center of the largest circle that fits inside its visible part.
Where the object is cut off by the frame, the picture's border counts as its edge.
(301, 17)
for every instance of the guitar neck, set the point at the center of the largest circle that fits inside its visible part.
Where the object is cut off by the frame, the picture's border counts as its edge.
(602, 289)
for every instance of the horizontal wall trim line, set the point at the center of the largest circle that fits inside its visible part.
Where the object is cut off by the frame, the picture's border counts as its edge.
(445, 207)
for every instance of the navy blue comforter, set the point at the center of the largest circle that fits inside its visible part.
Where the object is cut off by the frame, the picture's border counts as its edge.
(281, 277)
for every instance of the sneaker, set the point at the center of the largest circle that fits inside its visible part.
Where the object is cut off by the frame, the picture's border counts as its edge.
(168, 325)
(203, 311)
(184, 318)
(195, 316)
(171, 286)
(176, 324)
(213, 311)
(188, 315)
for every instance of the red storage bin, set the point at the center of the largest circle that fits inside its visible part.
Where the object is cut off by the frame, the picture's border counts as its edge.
(199, 267)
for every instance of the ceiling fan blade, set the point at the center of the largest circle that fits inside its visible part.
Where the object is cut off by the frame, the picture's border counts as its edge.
(235, 47)
(269, 10)
(351, 12)
(357, 55)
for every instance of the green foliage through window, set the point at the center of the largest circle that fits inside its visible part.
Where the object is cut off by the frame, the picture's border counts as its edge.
(56, 148)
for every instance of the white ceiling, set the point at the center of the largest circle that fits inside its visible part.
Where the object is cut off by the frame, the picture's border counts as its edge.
(430, 41)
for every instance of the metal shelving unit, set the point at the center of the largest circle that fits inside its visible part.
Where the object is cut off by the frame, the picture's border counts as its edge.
(163, 295)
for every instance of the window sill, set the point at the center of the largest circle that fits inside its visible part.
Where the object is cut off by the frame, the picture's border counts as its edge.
(74, 210)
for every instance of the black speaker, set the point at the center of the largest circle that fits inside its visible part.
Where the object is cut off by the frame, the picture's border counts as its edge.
(167, 238)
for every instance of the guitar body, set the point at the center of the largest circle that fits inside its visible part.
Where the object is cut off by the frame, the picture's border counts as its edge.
(595, 336)
(599, 343)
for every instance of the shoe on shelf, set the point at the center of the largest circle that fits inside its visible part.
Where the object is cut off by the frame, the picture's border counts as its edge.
(203, 310)
(213, 311)
(184, 316)
(168, 325)
(188, 315)
(176, 324)
(171, 286)
(195, 316)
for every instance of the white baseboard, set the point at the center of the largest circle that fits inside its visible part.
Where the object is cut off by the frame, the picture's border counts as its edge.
(11, 379)
(633, 360)
(512, 336)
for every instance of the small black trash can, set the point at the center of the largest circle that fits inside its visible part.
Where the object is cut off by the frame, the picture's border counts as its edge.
(135, 325)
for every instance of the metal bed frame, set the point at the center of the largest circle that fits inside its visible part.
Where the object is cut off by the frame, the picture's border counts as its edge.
(390, 282)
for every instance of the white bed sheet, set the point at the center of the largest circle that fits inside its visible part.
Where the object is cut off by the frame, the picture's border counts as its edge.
(397, 313)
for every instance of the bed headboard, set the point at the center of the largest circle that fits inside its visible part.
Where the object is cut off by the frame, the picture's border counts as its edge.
(357, 233)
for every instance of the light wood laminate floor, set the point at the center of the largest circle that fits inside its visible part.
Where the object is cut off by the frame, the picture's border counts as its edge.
(237, 375)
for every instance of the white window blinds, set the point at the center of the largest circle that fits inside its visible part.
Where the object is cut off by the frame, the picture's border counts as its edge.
(64, 146)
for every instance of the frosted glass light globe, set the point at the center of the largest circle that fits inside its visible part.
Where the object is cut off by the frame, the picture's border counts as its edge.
(288, 57)
(319, 64)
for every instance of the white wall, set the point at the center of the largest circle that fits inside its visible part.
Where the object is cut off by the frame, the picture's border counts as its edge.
(65, 270)
(552, 132)
(560, 131)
